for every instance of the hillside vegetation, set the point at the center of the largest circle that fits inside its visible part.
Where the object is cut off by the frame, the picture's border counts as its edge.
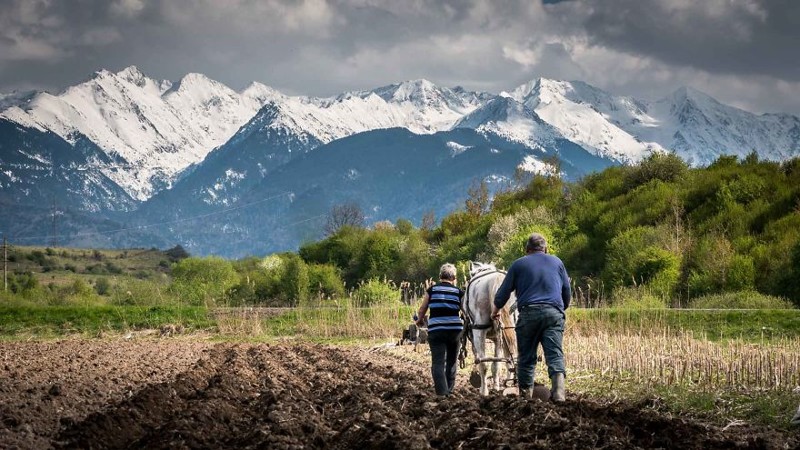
(654, 234)
(651, 235)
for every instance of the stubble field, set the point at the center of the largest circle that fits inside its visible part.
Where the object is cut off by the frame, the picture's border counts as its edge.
(174, 393)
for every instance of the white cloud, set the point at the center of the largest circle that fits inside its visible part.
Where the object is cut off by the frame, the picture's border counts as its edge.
(127, 8)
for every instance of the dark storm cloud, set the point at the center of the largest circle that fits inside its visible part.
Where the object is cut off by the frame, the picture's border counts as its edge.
(737, 50)
(720, 36)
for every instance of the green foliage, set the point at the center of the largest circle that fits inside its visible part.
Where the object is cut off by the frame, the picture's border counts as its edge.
(294, 280)
(102, 286)
(374, 292)
(325, 281)
(717, 268)
(740, 300)
(637, 297)
(638, 257)
(666, 167)
(203, 281)
(22, 283)
(177, 253)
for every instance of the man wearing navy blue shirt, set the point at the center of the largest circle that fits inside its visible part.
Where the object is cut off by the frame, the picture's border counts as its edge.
(543, 293)
(444, 328)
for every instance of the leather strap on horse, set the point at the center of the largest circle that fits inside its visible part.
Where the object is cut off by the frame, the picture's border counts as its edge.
(469, 321)
(472, 325)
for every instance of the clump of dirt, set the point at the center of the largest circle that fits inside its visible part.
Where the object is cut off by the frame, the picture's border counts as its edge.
(313, 396)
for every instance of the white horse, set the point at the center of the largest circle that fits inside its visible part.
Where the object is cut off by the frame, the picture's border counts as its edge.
(485, 280)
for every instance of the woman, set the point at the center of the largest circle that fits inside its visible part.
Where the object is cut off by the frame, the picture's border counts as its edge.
(444, 328)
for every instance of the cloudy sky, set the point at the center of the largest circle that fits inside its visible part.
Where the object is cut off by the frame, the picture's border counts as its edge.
(742, 52)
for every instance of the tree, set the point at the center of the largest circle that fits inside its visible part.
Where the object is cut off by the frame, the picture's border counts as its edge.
(428, 221)
(177, 253)
(346, 214)
(478, 198)
(203, 280)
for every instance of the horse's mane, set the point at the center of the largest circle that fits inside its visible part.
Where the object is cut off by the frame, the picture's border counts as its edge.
(476, 268)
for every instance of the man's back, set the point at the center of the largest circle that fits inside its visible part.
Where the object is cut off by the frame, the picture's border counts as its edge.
(537, 278)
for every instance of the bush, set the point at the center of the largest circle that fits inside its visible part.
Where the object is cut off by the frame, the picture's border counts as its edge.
(374, 292)
(666, 167)
(636, 297)
(740, 300)
(203, 281)
(324, 280)
(177, 253)
(133, 292)
(717, 268)
(637, 257)
(102, 286)
(22, 283)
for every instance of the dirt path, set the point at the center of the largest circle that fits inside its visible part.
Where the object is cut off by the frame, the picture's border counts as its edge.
(173, 394)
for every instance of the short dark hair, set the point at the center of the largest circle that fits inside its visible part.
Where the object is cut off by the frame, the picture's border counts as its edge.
(536, 243)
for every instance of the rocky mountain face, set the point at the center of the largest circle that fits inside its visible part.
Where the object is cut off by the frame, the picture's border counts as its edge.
(134, 150)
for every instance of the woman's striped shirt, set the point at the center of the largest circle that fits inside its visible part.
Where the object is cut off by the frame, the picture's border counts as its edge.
(444, 305)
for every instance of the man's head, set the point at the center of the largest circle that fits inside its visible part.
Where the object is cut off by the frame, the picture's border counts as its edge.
(447, 272)
(536, 243)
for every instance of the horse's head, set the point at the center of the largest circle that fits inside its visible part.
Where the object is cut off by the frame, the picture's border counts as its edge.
(478, 267)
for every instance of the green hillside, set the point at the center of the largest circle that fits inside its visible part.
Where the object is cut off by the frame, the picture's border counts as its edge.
(655, 234)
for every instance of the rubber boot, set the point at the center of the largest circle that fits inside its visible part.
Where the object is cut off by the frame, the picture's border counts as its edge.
(558, 391)
(526, 392)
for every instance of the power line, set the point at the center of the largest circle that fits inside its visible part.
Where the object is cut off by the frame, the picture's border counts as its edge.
(169, 222)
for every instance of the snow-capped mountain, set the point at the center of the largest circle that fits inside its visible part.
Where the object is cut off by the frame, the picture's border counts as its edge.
(38, 167)
(587, 116)
(16, 98)
(688, 122)
(133, 148)
(507, 118)
(290, 126)
(700, 129)
(152, 129)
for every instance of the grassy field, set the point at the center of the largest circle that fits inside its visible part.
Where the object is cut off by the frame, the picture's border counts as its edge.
(61, 266)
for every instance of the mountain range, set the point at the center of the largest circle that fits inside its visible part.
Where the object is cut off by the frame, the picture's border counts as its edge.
(130, 160)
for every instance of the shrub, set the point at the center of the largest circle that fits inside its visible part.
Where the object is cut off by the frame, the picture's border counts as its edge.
(176, 253)
(324, 280)
(203, 281)
(636, 297)
(374, 292)
(102, 286)
(740, 300)
(130, 291)
(665, 167)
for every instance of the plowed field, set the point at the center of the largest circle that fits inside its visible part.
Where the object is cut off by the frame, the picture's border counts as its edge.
(176, 394)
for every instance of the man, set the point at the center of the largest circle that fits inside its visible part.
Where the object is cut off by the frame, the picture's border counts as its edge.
(444, 328)
(543, 293)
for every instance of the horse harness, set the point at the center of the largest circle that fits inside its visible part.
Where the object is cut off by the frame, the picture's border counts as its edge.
(469, 325)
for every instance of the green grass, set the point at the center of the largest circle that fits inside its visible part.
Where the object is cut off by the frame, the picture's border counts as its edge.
(751, 326)
(722, 406)
(377, 322)
(63, 320)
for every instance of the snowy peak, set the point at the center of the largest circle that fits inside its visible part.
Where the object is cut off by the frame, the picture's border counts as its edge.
(155, 128)
(590, 117)
(260, 93)
(511, 120)
(700, 129)
(419, 91)
(16, 98)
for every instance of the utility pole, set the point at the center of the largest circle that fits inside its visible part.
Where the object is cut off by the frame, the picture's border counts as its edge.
(5, 264)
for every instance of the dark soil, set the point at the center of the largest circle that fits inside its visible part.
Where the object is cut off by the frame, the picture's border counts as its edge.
(173, 394)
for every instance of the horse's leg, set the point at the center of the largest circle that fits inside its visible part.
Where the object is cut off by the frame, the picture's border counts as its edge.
(479, 345)
(495, 367)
